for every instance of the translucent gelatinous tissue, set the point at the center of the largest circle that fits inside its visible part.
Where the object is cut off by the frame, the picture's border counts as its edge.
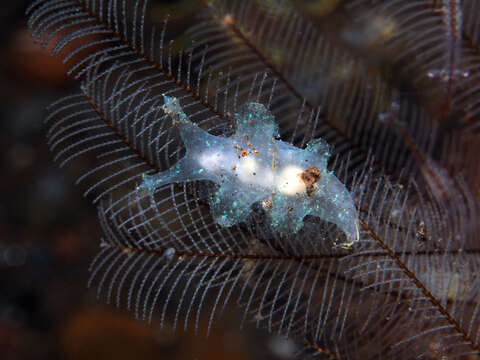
(251, 166)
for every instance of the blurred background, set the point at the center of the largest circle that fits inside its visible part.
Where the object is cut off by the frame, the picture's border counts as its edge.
(49, 232)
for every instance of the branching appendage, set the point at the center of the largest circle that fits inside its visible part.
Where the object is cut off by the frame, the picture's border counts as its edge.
(252, 166)
(452, 17)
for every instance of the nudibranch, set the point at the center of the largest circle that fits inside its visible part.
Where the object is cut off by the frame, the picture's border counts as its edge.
(253, 166)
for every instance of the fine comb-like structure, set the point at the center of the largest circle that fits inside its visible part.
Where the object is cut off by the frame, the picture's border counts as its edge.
(370, 252)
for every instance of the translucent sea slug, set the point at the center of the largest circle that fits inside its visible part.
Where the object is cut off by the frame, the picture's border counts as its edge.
(252, 166)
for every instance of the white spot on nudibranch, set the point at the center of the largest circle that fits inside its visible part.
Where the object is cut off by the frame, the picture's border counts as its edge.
(247, 168)
(211, 161)
(290, 182)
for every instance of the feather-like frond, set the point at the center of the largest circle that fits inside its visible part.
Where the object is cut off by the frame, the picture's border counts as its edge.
(359, 110)
(411, 268)
(428, 53)
(407, 289)
(117, 116)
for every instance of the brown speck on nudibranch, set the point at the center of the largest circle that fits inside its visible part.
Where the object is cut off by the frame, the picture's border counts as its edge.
(310, 177)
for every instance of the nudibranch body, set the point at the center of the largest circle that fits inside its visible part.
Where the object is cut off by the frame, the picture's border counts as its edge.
(253, 166)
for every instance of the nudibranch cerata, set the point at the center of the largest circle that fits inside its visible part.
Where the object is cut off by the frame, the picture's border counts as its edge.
(253, 166)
